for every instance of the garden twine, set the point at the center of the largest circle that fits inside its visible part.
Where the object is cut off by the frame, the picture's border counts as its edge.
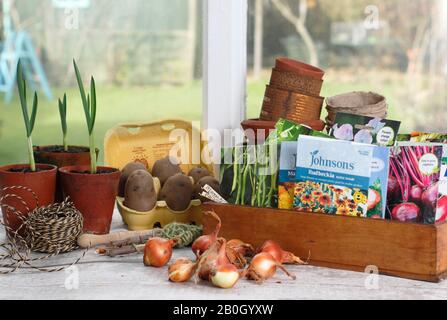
(53, 229)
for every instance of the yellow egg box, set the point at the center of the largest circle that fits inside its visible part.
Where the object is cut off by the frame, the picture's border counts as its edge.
(147, 143)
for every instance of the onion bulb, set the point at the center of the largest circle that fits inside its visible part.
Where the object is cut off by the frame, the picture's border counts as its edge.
(158, 252)
(181, 270)
(212, 259)
(281, 256)
(225, 276)
(263, 266)
(203, 243)
(237, 251)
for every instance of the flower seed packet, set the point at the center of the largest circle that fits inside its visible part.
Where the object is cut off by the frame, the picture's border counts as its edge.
(341, 177)
(363, 129)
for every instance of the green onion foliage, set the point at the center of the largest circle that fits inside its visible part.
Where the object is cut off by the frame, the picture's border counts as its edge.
(89, 104)
(29, 120)
(63, 114)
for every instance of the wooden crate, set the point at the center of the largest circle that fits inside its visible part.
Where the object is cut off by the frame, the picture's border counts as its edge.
(398, 249)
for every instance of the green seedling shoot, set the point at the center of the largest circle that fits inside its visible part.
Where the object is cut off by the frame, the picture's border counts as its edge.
(89, 104)
(63, 114)
(29, 121)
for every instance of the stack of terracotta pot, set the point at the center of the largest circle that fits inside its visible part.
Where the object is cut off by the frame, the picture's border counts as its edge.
(294, 93)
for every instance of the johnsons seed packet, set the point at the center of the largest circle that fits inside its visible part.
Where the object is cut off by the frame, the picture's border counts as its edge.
(337, 177)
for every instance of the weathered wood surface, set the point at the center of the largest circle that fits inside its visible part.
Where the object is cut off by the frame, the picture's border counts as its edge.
(127, 278)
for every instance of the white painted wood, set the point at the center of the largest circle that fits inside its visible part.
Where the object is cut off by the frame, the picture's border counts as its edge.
(127, 278)
(224, 63)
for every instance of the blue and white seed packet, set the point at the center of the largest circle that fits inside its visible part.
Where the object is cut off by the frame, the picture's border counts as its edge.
(340, 177)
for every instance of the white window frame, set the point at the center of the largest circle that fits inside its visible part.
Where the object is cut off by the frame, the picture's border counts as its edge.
(224, 63)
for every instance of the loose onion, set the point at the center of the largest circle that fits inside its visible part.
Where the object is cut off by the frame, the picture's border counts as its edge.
(237, 250)
(158, 252)
(280, 255)
(225, 276)
(263, 266)
(181, 270)
(245, 249)
(212, 259)
(203, 243)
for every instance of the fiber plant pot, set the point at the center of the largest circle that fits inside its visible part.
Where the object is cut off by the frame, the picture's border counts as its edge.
(92, 194)
(42, 183)
(358, 102)
(56, 155)
(298, 67)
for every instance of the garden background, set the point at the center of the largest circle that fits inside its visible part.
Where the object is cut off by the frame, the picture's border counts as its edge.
(146, 56)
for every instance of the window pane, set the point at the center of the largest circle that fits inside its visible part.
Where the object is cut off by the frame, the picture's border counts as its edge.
(393, 47)
(145, 56)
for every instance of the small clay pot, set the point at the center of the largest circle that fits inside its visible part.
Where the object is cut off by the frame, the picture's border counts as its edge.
(92, 194)
(257, 125)
(55, 155)
(298, 67)
(41, 182)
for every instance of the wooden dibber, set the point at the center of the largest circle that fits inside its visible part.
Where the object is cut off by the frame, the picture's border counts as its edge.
(92, 240)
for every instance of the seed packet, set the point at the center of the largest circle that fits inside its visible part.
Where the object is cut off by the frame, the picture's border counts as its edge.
(423, 137)
(248, 175)
(363, 129)
(341, 177)
(418, 183)
(286, 130)
(286, 179)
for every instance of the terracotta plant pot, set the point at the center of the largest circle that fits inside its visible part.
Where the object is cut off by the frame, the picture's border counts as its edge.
(42, 183)
(92, 194)
(55, 155)
(298, 67)
(261, 129)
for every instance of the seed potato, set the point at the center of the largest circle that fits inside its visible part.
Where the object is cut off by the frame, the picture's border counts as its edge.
(126, 172)
(165, 168)
(177, 192)
(140, 191)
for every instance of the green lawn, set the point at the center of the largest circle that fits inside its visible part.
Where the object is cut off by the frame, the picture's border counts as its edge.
(118, 105)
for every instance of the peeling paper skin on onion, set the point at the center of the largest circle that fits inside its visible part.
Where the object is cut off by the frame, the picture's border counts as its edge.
(212, 259)
(203, 243)
(181, 270)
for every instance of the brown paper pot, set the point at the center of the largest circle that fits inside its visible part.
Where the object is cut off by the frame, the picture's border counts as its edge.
(92, 194)
(361, 103)
(42, 183)
(291, 81)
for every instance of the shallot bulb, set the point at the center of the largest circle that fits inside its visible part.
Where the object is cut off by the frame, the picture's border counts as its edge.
(212, 259)
(237, 251)
(203, 243)
(280, 255)
(158, 252)
(245, 249)
(263, 266)
(225, 276)
(181, 270)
